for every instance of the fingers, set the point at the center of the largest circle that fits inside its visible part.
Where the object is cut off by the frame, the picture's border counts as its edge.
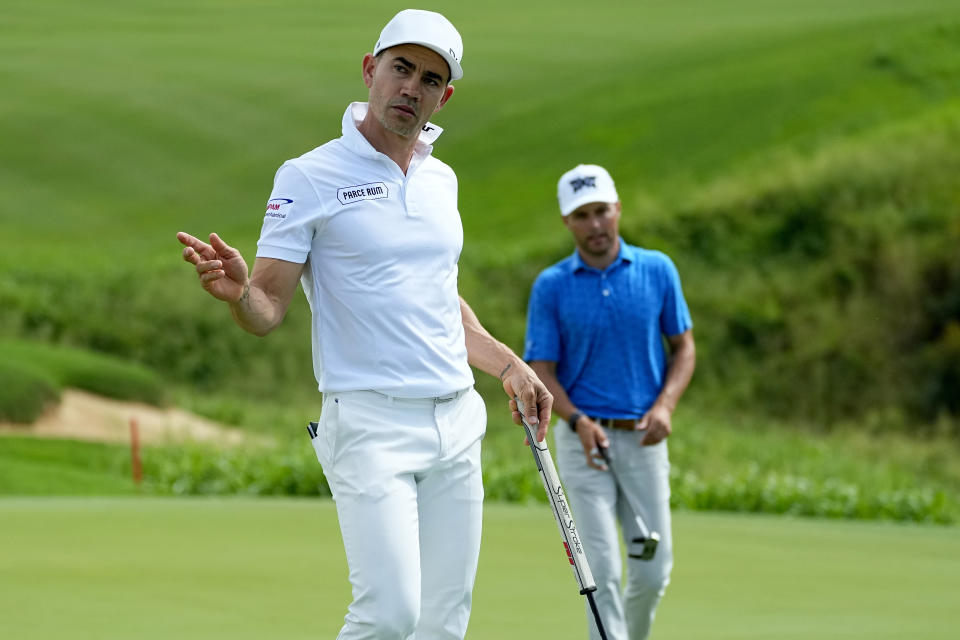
(653, 435)
(655, 428)
(222, 248)
(514, 412)
(602, 440)
(542, 431)
(595, 460)
(528, 399)
(195, 245)
(536, 404)
(545, 407)
(643, 423)
(210, 270)
(592, 438)
(191, 256)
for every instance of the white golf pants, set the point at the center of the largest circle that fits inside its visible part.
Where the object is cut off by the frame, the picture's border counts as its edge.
(598, 500)
(405, 475)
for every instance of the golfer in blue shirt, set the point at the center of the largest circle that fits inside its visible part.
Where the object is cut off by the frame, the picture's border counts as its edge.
(596, 328)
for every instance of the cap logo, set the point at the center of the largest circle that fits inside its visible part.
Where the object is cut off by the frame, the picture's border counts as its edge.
(580, 183)
(453, 55)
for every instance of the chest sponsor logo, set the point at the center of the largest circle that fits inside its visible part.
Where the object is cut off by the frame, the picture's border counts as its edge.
(369, 191)
(276, 207)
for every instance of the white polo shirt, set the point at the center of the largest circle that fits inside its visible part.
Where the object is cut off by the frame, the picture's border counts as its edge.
(381, 250)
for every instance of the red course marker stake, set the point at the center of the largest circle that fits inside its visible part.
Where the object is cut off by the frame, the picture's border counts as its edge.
(135, 465)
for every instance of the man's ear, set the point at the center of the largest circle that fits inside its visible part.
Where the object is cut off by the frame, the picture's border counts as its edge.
(369, 66)
(446, 96)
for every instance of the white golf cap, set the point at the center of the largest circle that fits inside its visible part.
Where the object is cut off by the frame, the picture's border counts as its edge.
(583, 184)
(427, 29)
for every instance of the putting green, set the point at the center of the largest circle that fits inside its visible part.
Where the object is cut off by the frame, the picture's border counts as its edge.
(194, 568)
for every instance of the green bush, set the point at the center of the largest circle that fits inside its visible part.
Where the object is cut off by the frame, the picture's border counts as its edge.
(169, 325)
(25, 392)
(204, 470)
(748, 467)
(198, 469)
(97, 373)
(825, 287)
(752, 490)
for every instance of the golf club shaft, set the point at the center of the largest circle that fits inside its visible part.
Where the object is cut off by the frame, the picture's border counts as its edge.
(648, 539)
(563, 516)
(631, 499)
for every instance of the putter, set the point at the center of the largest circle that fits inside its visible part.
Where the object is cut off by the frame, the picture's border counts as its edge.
(648, 539)
(561, 513)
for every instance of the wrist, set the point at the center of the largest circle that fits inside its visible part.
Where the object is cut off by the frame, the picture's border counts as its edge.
(243, 297)
(573, 420)
(663, 406)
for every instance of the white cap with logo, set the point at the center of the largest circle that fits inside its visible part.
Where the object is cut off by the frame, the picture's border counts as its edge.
(427, 29)
(583, 184)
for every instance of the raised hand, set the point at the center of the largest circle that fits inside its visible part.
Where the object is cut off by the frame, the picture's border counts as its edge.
(220, 267)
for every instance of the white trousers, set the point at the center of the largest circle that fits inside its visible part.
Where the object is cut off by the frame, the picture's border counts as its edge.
(405, 475)
(598, 500)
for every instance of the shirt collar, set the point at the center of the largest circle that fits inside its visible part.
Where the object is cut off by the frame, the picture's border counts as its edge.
(625, 254)
(357, 143)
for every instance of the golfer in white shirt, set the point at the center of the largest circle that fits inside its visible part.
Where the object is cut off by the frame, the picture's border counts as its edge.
(369, 224)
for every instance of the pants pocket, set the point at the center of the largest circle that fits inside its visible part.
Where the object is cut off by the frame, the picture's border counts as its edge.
(324, 442)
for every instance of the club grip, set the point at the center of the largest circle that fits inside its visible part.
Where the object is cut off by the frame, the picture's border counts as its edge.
(572, 544)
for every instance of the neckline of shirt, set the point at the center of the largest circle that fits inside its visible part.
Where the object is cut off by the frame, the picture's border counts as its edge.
(358, 143)
(625, 254)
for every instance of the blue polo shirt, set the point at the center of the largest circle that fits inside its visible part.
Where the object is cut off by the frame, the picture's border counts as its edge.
(605, 329)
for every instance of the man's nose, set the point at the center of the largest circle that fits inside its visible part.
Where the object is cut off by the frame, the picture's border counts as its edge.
(410, 87)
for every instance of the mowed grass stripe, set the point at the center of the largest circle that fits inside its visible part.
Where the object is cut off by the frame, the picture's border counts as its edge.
(159, 568)
(139, 120)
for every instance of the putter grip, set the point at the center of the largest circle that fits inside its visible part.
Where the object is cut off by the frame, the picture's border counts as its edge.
(561, 509)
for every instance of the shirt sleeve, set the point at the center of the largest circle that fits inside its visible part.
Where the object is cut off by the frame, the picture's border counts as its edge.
(292, 216)
(675, 315)
(543, 330)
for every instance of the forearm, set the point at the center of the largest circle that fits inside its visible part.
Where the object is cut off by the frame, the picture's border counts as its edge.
(679, 374)
(483, 350)
(256, 312)
(520, 383)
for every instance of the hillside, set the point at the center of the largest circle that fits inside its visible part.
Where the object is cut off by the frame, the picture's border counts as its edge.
(797, 159)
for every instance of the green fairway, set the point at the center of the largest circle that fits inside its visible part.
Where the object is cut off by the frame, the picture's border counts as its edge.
(161, 568)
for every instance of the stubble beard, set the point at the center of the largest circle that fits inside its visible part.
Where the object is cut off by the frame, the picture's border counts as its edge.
(600, 250)
(395, 125)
